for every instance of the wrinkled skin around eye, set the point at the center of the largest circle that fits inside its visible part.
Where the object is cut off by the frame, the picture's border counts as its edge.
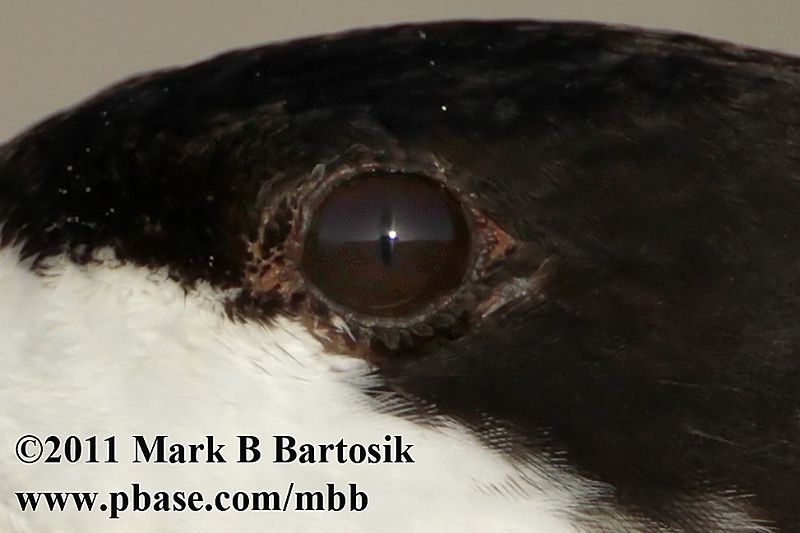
(642, 332)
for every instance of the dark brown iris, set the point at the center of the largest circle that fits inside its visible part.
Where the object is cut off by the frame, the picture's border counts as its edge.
(386, 244)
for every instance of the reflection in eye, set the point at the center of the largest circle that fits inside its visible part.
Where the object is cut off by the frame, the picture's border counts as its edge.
(386, 244)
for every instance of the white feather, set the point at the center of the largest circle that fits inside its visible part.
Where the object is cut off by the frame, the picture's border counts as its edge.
(123, 351)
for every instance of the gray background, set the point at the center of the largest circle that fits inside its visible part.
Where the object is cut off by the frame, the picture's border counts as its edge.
(55, 53)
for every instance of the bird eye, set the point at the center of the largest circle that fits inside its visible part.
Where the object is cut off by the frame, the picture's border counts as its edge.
(386, 244)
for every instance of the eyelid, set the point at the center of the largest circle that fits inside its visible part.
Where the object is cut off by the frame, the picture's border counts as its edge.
(274, 269)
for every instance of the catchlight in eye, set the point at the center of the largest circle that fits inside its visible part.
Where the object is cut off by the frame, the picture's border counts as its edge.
(386, 244)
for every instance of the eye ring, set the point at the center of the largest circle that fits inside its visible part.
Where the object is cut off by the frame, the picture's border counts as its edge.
(274, 276)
